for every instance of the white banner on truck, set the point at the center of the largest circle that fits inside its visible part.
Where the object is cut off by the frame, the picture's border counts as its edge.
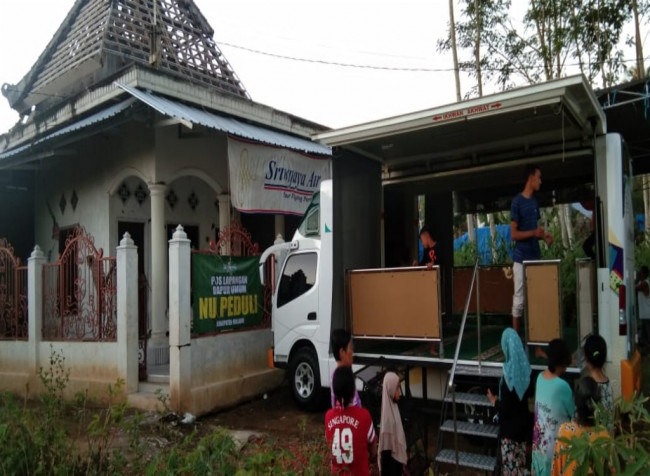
(266, 179)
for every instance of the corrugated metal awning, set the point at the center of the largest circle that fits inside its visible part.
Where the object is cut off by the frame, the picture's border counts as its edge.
(83, 123)
(229, 125)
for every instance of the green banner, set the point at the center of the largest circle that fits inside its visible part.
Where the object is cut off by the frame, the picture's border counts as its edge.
(226, 292)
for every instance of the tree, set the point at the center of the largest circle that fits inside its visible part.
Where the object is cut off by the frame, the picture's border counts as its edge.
(480, 18)
(454, 49)
(639, 7)
(557, 37)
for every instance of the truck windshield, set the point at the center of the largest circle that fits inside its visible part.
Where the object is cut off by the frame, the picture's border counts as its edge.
(310, 224)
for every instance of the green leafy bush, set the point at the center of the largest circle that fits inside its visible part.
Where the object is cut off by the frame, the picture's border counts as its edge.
(626, 451)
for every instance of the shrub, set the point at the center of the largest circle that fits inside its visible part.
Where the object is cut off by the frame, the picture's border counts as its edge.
(57, 437)
(625, 452)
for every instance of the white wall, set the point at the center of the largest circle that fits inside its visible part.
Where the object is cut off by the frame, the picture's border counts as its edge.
(205, 215)
(231, 368)
(88, 170)
(97, 167)
(16, 366)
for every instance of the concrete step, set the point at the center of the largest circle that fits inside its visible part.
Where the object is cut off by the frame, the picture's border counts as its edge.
(158, 376)
(475, 429)
(145, 401)
(467, 460)
(153, 387)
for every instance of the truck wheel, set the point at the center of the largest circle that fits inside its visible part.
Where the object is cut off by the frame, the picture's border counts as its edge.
(304, 379)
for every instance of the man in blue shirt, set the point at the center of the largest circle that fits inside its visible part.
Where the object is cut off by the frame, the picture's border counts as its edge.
(524, 213)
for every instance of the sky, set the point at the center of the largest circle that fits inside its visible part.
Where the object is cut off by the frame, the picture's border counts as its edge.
(383, 34)
(391, 42)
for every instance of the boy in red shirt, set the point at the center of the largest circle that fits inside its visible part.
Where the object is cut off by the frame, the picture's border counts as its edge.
(349, 430)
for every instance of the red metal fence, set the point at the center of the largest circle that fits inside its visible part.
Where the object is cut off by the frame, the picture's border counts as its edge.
(80, 293)
(13, 294)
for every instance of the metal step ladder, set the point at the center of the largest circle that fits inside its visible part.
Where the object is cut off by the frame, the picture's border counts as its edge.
(482, 431)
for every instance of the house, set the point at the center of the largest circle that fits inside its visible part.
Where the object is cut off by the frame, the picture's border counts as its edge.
(132, 121)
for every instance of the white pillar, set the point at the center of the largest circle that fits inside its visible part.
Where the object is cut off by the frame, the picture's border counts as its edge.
(127, 313)
(224, 210)
(279, 259)
(180, 376)
(224, 216)
(35, 305)
(158, 345)
(279, 225)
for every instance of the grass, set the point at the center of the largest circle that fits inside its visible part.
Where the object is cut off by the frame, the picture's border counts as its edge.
(57, 437)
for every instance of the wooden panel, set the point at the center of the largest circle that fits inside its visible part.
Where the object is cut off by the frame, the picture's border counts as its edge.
(461, 280)
(395, 303)
(496, 288)
(542, 287)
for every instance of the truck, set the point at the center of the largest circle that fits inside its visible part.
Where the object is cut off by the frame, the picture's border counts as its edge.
(348, 264)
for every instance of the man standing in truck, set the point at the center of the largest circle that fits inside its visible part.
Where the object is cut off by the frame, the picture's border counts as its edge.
(524, 214)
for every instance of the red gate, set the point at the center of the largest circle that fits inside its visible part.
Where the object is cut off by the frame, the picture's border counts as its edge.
(13, 294)
(80, 293)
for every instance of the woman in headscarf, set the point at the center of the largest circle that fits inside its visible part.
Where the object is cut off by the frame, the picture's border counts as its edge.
(392, 442)
(512, 404)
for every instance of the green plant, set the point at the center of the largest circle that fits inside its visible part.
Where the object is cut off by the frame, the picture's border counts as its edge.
(132, 428)
(163, 399)
(102, 429)
(642, 253)
(35, 441)
(302, 425)
(627, 448)
(213, 452)
(466, 254)
(48, 437)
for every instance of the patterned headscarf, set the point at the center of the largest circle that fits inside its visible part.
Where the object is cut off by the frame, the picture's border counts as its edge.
(516, 369)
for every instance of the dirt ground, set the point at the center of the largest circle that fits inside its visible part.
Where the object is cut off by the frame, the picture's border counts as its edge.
(275, 414)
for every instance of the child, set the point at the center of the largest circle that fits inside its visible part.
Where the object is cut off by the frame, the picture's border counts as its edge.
(553, 406)
(595, 351)
(392, 442)
(349, 431)
(344, 354)
(586, 396)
